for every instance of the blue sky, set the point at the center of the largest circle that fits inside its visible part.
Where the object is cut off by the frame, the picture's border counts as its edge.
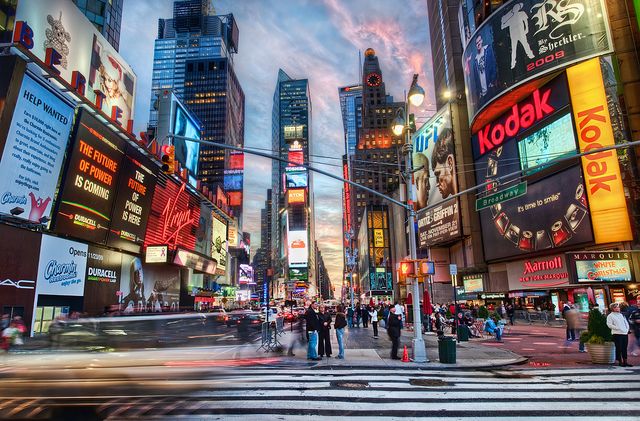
(314, 39)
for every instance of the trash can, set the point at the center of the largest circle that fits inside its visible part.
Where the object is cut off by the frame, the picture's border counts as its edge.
(463, 333)
(447, 350)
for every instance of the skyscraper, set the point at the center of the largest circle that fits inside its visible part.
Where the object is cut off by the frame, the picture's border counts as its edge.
(193, 57)
(292, 211)
(351, 109)
(106, 15)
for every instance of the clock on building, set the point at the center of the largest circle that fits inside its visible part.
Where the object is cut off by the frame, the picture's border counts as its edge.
(374, 79)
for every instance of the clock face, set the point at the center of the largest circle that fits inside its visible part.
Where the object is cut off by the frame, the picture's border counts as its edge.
(374, 79)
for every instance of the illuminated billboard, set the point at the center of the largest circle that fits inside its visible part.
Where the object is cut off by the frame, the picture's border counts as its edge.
(551, 142)
(33, 151)
(435, 178)
(236, 161)
(298, 248)
(60, 25)
(601, 266)
(295, 179)
(233, 180)
(296, 196)
(245, 274)
(235, 198)
(219, 244)
(526, 39)
(607, 201)
(88, 192)
(187, 152)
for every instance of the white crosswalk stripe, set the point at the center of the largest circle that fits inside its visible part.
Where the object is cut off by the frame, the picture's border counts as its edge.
(392, 394)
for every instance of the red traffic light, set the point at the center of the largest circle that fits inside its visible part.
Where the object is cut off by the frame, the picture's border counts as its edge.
(407, 268)
(167, 156)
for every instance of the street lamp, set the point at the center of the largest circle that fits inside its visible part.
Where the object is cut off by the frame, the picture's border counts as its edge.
(401, 124)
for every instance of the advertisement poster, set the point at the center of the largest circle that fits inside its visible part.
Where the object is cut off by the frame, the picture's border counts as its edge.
(103, 280)
(60, 25)
(380, 281)
(233, 180)
(601, 266)
(435, 180)
(245, 274)
(187, 152)
(86, 198)
(473, 283)
(174, 215)
(298, 249)
(133, 201)
(204, 232)
(62, 267)
(219, 245)
(527, 39)
(148, 288)
(33, 152)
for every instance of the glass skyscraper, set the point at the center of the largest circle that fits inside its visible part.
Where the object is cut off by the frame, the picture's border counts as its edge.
(106, 15)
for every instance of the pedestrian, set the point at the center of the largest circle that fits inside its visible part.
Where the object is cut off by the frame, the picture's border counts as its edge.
(400, 312)
(358, 316)
(4, 322)
(566, 308)
(511, 312)
(492, 328)
(313, 325)
(373, 313)
(394, 326)
(340, 324)
(634, 322)
(385, 316)
(12, 336)
(324, 341)
(365, 316)
(297, 336)
(620, 330)
(350, 314)
(572, 317)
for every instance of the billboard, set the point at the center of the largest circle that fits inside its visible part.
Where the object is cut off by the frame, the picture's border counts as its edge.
(473, 283)
(235, 198)
(526, 39)
(187, 152)
(233, 180)
(607, 201)
(151, 288)
(88, 192)
(62, 267)
(296, 196)
(435, 177)
(245, 274)
(60, 25)
(174, 216)
(132, 205)
(204, 232)
(298, 248)
(296, 179)
(103, 265)
(236, 161)
(601, 266)
(538, 273)
(219, 244)
(34, 151)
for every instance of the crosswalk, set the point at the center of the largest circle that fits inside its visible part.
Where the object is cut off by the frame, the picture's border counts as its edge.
(304, 393)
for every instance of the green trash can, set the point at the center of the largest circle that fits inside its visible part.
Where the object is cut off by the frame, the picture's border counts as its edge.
(463, 333)
(447, 350)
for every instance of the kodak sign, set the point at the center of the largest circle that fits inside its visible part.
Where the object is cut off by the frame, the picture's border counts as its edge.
(607, 203)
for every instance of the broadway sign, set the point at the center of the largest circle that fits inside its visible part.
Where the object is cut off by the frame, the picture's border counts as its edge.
(527, 39)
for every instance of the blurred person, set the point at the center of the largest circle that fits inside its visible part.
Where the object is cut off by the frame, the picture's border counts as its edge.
(313, 326)
(620, 330)
(394, 327)
(385, 315)
(358, 316)
(350, 314)
(634, 322)
(324, 340)
(4, 322)
(365, 316)
(491, 327)
(400, 312)
(373, 313)
(12, 336)
(340, 323)
(572, 318)
(511, 312)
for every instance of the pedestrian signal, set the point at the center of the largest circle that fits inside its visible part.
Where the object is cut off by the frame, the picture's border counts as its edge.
(167, 156)
(426, 268)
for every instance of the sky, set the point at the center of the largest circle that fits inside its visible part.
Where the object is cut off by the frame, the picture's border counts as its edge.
(317, 40)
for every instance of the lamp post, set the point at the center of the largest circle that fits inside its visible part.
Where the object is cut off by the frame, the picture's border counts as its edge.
(401, 124)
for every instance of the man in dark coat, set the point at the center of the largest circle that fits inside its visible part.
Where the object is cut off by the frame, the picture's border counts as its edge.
(324, 344)
(313, 326)
(393, 330)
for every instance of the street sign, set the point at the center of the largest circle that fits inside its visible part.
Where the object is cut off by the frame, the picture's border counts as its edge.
(512, 192)
(453, 269)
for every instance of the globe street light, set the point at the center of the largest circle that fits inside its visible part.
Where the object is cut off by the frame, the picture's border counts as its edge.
(399, 125)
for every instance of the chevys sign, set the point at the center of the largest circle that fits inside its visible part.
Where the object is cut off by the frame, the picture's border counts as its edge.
(523, 115)
(539, 273)
(601, 170)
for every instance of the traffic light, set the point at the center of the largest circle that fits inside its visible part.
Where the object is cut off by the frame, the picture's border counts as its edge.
(407, 268)
(167, 156)
(426, 268)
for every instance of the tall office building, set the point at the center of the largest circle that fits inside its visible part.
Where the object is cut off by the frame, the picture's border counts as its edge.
(193, 57)
(264, 262)
(292, 209)
(351, 110)
(106, 15)
(324, 283)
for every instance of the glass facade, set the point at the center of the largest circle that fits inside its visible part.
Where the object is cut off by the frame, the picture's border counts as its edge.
(106, 16)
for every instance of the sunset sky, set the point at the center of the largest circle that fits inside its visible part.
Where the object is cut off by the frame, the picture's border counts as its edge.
(314, 39)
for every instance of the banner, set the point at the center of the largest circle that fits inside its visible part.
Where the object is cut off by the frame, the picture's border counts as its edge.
(435, 179)
(219, 245)
(607, 203)
(526, 39)
(33, 152)
(60, 25)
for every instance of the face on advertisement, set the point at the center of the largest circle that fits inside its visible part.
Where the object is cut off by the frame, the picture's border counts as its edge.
(421, 178)
(444, 164)
(111, 83)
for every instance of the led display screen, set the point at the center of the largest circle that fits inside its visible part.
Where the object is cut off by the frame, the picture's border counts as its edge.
(136, 185)
(233, 182)
(298, 248)
(187, 152)
(89, 190)
(554, 141)
(235, 198)
(236, 161)
(245, 274)
(296, 179)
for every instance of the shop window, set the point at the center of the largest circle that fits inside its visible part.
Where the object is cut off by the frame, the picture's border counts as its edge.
(46, 315)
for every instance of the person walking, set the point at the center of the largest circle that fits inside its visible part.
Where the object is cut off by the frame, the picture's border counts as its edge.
(340, 324)
(511, 312)
(365, 316)
(358, 316)
(373, 313)
(620, 330)
(572, 317)
(324, 343)
(313, 326)
(394, 326)
(350, 314)
(566, 308)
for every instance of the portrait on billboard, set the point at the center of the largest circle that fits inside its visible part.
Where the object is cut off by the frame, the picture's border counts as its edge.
(526, 39)
(148, 288)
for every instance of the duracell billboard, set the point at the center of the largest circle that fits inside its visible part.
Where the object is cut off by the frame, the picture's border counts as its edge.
(89, 189)
(554, 212)
(526, 39)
